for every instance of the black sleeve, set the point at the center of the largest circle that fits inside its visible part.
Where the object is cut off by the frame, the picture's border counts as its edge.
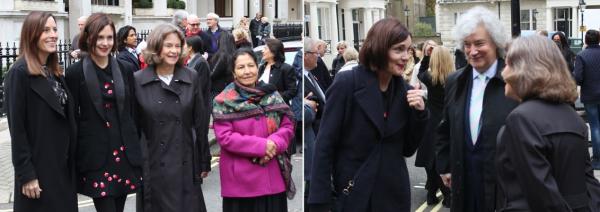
(423, 74)
(332, 127)
(442, 142)
(16, 107)
(201, 124)
(289, 80)
(73, 79)
(416, 128)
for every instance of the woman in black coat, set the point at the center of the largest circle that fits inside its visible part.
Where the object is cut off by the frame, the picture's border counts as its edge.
(275, 71)
(220, 64)
(542, 156)
(108, 150)
(434, 77)
(41, 122)
(173, 119)
(372, 120)
(126, 44)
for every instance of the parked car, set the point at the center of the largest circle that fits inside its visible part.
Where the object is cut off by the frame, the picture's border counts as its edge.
(290, 49)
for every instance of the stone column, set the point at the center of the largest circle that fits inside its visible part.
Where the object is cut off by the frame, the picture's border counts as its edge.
(254, 8)
(128, 12)
(368, 17)
(314, 21)
(77, 8)
(282, 10)
(549, 20)
(238, 13)
(349, 25)
(334, 25)
(269, 9)
(160, 7)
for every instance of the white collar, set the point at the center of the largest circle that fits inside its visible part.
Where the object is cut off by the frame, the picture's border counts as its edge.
(490, 73)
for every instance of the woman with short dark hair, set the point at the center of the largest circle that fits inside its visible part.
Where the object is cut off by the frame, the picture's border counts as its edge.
(108, 152)
(275, 71)
(41, 121)
(542, 156)
(373, 120)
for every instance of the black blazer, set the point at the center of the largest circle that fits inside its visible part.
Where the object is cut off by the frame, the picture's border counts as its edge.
(43, 140)
(125, 57)
(308, 88)
(200, 64)
(93, 148)
(356, 143)
(543, 160)
(322, 74)
(451, 146)
(283, 77)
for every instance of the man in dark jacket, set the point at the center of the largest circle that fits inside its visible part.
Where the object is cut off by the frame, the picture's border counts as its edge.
(214, 31)
(474, 110)
(254, 26)
(321, 72)
(587, 75)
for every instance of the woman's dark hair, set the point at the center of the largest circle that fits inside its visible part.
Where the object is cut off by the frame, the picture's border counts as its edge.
(381, 37)
(226, 47)
(32, 30)
(94, 24)
(276, 47)
(563, 40)
(240, 52)
(591, 37)
(122, 36)
(195, 42)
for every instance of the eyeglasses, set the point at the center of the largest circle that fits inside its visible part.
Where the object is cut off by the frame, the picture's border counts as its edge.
(309, 52)
(194, 24)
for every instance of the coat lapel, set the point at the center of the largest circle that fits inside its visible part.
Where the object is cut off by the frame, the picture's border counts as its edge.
(93, 86)
(119, 85)
(41, 86)
(460, 103)
(397, 113)
(369, 97)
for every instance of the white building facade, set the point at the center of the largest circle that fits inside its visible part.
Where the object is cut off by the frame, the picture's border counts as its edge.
(550, 15)
(13, 12)
(348, 20)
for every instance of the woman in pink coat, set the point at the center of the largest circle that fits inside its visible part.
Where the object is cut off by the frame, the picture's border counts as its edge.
(253, 126)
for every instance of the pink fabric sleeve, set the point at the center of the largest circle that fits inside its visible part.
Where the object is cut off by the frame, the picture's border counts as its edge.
(283, 135)
(244, 145)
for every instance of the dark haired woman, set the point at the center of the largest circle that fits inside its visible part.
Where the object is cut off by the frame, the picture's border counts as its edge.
(372, 120)
(108, 150)
(126, 43)
(220, 64)
(253, 126)
(562, 43)
(194, 48)
(275, 71)
(41, 122)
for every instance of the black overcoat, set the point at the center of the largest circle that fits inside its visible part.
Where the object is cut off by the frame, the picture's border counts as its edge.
(174, 127)
(543, 160)
(125, 57)
(355, 143)
(93, 150)
(451, 146)
(283, 77)
(42, 139)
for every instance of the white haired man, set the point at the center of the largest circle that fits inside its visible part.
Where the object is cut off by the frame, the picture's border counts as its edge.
(74, 50)
(180, 19)
(474, 110)
(214, 31)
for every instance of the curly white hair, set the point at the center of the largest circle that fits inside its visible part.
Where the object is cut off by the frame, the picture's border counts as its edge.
(480, 16)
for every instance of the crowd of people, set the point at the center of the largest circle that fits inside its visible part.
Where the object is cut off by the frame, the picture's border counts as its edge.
(478, 120)
(131, 118)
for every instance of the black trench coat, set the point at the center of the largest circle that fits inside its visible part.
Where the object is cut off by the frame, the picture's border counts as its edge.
(353, 132)
(43, 141)
(174, 127)
(451, 146)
